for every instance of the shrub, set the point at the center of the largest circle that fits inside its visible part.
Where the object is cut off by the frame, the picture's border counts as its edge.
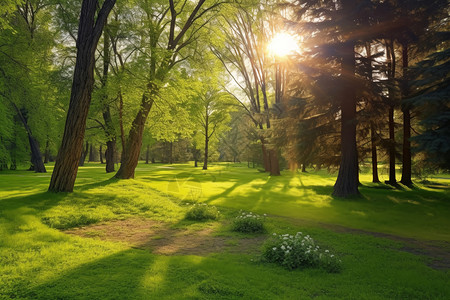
(294, 251)
(201, 212)
(249, 223)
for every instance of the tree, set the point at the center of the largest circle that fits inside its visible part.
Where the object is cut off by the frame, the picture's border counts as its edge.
(177, 27)
(89, 31)
(211, 114)
(430, 102)
(246, 36)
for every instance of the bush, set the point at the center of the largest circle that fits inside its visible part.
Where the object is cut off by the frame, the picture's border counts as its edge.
(297, 251)
(249, 223)
(201, 212)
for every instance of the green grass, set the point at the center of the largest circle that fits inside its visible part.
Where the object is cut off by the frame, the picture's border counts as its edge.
(38, 261)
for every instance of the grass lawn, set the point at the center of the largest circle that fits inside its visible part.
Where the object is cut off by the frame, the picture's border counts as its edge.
(394, 243)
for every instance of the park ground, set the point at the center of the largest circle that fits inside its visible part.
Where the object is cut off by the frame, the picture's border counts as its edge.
(128, 239)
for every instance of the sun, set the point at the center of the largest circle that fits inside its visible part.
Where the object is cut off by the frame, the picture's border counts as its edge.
(283, 44)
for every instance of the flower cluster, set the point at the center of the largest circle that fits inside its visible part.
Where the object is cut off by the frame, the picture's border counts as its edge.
(294, 251)
(249, 223)
(201, 212)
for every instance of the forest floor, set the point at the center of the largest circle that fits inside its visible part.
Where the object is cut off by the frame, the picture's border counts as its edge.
(129, 239)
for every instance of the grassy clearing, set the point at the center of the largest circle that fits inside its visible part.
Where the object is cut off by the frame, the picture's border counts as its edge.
(38, 261)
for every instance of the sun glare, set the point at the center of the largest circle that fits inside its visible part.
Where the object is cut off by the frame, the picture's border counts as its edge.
(283, 44)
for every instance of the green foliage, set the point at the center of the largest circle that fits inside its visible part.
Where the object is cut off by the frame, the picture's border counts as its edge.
(430, 102)
(202, 212)
(249, 223)
(297, 251)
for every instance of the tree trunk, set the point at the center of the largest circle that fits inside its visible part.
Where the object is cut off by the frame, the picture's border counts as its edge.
(89, 32)
(374, 155)
(133, 144)
(406, 169)
(37, 163)
(3, 164)
(110, 155)
(265, 156)
(47, 152)
(205, 160)
(274, 163)
(171, 153)
(390, 56)
(91, 153)
(147, 155)
(347, 180)
(100, 152)
(303, 168)
(83, 155)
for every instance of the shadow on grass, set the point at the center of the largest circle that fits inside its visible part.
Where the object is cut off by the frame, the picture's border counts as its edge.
(40, 201)
(114, 277)
(88, 186)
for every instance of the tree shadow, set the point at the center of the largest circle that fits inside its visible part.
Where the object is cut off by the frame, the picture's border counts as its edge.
(88, 186)
(114, 277)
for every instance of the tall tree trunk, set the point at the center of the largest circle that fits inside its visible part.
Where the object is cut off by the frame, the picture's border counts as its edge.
(373, 139)
(391, 60)
(109, 126)
(374, 154)
(110, 155)
(133, 144)
(89, 32)
(392, 179)
(265, 156)
(274, 163)
(100, 152)
(171, 153)
(83, 155)
(205, 159)
(147, 154)
(3, 164)
(91, 153)
(206, 127)
(47, 151)
(406, 169)
(347, 181)
(37, 163)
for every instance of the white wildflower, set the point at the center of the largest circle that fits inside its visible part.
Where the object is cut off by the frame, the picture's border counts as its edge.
(274, 248)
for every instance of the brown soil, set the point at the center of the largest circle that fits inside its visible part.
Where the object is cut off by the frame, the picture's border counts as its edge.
(160, 238)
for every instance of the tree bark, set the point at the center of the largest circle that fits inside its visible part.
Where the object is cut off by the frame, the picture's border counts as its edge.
(37, 163)
(91, 153)
(347, 181)
(109, 126)
(205, 160)
(303, 168)
(89, 32)
(110, 155)
(374, 155)
(100, 152)
(147, 154)
(406, 169)
(83, 155)
(391, 60)
(274, 163)
(133, 144)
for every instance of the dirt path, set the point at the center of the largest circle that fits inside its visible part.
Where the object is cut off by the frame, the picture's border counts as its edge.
(160, 238)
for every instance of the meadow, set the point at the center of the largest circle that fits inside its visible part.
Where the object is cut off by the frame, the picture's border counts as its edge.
(129, 239)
